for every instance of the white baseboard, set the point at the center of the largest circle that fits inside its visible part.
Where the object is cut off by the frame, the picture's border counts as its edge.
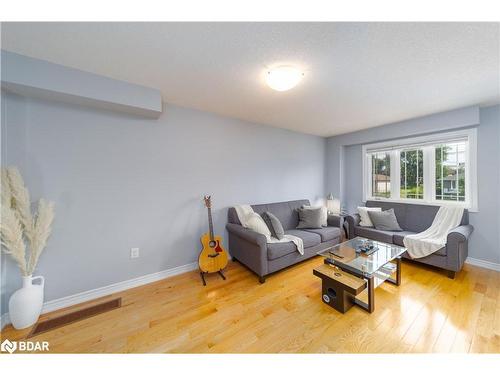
(483, 264)
(107, 290)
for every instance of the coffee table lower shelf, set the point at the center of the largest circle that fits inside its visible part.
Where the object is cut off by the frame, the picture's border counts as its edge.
(342, 290)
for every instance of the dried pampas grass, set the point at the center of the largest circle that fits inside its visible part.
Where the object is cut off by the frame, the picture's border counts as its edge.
(41, 232)
(18, 226)
(21, 200)
(6, 194)
(12, 238)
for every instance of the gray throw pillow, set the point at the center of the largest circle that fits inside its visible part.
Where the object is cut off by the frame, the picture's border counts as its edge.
(385, 220)
(274, 225)
(310, 218)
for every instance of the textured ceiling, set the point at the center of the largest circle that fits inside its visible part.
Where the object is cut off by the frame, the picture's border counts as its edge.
(357, 75)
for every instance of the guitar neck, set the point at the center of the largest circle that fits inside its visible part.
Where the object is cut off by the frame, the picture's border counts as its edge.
(210, 224)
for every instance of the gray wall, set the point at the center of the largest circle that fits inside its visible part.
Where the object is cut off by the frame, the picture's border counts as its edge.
(31, 77)
(443, 121)
(485, 245)
(345, 180)
(119, 182)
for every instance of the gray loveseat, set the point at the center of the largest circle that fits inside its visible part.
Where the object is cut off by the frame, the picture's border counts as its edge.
(251, 248)
(415, 218)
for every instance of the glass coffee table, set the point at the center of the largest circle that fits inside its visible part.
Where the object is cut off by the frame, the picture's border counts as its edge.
(355, 268)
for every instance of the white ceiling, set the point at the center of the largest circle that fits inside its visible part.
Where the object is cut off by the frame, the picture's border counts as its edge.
(357, 75)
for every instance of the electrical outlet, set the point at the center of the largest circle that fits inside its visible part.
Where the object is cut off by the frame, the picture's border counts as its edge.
(134, 252)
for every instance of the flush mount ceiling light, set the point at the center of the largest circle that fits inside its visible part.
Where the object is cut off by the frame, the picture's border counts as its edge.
(283, 78)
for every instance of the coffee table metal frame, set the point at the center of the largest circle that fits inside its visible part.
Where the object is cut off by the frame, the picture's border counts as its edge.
(370, 279)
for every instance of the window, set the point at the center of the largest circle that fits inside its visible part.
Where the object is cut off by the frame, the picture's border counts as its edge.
(381, 174)
(432, 170)
(412, 179)
(450, 172)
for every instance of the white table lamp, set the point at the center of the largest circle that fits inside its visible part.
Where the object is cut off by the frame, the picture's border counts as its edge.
(332, 205)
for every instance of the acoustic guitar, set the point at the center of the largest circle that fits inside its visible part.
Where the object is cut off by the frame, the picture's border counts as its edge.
(213, 257)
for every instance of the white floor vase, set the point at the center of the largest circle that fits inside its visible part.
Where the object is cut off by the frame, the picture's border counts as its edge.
(25, 305)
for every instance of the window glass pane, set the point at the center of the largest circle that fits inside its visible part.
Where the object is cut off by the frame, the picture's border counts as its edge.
(381, 175)
(412, 176)
(450, 172)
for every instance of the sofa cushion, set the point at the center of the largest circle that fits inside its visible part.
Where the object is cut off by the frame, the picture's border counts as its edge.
(310, 239)
(324, 213)
(310, 218)
(279, 249)
(398, 240)
(327, 234)
(286, 212)
(274, 225)
(399, 210)
(398, 237)
(256, 223)
(374, 234)
(420, 217)
(413, 217)
(365, 220)
(441, 252)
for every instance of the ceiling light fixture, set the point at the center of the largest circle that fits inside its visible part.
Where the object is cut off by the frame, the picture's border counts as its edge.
(283, 78)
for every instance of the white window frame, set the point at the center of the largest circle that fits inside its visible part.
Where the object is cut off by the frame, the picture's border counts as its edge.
(426, 143)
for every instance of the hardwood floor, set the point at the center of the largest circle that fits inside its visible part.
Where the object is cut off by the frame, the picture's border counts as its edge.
(427, 313)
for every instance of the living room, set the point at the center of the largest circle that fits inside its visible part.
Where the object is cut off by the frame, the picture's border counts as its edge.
(281, 187)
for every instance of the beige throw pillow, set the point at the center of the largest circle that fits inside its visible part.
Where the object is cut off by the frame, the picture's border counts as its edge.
(363, 214)
(257, 224)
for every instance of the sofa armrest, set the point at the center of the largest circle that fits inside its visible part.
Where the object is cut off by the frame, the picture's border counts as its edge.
(352, 221)
(249, 248)
(247, 234)
(460, 233)
(457, 246)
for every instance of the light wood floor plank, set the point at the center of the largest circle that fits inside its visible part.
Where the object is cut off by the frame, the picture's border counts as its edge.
(427, 313)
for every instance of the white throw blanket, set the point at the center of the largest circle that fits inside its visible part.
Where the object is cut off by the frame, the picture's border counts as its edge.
(434, 238)
(245, 212)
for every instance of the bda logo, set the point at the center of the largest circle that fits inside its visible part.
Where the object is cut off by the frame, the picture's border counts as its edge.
(24, 346)
(8, 346)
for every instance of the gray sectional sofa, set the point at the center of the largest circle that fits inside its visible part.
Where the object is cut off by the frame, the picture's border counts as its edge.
(415, 218)
(251, 248)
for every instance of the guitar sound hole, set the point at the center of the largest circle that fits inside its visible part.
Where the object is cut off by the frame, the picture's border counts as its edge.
(212, 244)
